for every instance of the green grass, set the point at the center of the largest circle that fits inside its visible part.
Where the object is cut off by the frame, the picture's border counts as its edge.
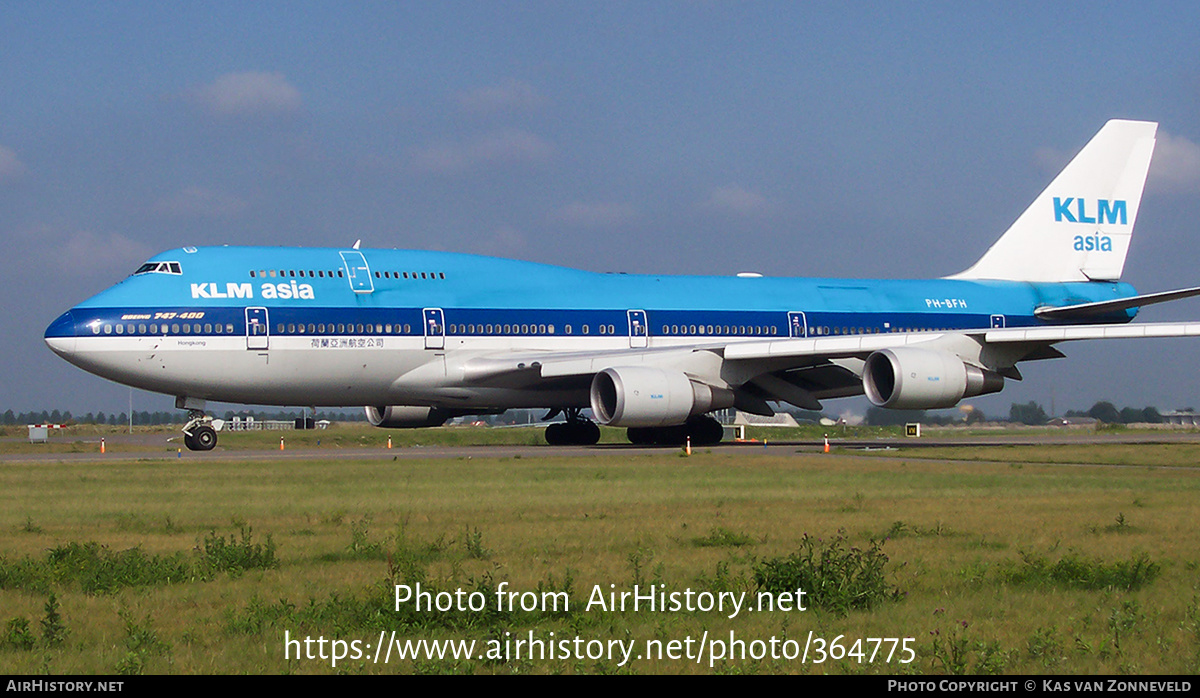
(978, 562)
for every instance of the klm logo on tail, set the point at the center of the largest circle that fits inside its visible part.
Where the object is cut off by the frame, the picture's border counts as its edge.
(1113, 212)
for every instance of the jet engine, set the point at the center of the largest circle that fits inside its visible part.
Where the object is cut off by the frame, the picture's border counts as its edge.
(641, 396)
(407, 417)
(909, 378)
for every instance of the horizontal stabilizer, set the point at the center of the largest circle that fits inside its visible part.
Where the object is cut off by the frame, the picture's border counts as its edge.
(1085, 310)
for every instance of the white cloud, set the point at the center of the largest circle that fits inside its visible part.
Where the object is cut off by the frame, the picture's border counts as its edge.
(247, 94)
(82, 252)
(197, 202)
(1176, 165)
(505, 241)
(11, 167)
(502, 148)
(1051, 159)
(509, 96)
(736, 199)
(585, 215)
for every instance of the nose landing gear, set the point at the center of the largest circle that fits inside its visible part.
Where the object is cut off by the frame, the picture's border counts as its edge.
(198, 433)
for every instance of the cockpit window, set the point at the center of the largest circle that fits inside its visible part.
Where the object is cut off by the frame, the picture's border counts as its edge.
(159, 268)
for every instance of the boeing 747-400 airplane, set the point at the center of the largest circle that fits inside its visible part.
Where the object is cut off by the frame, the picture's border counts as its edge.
(420, 337)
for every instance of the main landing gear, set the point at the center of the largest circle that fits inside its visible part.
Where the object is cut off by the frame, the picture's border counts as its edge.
(576, 431)
(703, 431)
(198, 433)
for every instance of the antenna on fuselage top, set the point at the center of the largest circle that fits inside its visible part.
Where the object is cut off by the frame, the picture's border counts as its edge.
(357, 243)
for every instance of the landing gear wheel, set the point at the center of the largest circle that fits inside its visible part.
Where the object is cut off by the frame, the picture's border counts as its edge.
(576, 431)
(703, 431)
(556, 434)
(189, 442)
(642, 436)
(586, 433)
(204, 438)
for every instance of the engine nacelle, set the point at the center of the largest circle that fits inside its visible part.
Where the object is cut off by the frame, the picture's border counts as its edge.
(909, 378)
(407, 417)
(641, 396)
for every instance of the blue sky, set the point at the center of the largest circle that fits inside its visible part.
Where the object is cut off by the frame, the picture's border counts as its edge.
(832, 139)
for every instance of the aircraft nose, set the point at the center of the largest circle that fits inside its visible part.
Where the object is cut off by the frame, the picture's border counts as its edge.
(60, 335)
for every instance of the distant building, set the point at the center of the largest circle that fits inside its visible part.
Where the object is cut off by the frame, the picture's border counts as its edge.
(1185, 418)
(781, 419)
(1081, 421)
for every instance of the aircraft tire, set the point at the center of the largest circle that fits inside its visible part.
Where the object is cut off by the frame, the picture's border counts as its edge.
(705, 431)
(582, 433)
(204, 438)
(641, 436)
(586, 433)
(557, 435)
(671, 436)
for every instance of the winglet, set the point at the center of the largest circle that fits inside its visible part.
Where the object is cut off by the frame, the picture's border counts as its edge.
(1079, 228)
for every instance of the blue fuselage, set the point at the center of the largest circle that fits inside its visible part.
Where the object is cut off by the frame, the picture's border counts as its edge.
(318, 292)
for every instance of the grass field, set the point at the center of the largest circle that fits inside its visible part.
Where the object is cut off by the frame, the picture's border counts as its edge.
(1004, 566)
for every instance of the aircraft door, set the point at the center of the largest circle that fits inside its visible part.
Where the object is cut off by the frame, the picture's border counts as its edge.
(638, 331)
(258, 330)
(797, 325)
(435, 328)
(357, 271)
(997, 322)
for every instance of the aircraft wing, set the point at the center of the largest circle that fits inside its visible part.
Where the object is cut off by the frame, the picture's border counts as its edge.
(802, 371)
(801, 351)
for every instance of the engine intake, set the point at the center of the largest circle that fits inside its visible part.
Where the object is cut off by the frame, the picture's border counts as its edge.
(407, 417)
(921, 379)
(641, 396)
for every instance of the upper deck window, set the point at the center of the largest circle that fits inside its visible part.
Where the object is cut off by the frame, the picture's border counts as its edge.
(159, 268)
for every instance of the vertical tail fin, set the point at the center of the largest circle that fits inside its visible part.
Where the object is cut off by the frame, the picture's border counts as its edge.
(1079, 228)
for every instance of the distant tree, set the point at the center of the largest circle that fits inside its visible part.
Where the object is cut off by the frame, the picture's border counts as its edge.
(1130, 415)
(1150, 415)
(10, 418)
(1105, 412)
(976, 416)
(880, 417)
(1030, 413)
(101, 418)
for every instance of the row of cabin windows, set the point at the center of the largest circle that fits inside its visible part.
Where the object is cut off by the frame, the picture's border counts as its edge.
(360, 328)
(341, 328)
(324, 274)
(720, 329)
(292, 273)
(156, 329)
(409, 275)
(526, 329)
(825, 330)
